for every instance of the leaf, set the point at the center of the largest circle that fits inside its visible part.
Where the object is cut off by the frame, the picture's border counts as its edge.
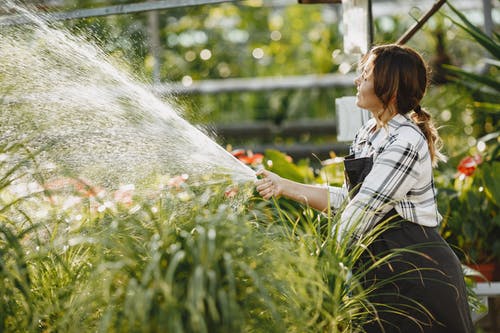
(483, 39)
(475, 77)
(490, 107)
(492, 181)
(286, 169)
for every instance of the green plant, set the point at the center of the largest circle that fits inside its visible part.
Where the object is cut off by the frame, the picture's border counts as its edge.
(190, 259)
(485, 85)
(468, 192)
(470, 200)
(193, 258)
(330, 171)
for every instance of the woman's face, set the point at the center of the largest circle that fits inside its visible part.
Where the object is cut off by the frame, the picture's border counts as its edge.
(366, 98)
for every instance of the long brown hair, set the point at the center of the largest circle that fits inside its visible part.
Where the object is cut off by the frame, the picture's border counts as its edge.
(400, 72)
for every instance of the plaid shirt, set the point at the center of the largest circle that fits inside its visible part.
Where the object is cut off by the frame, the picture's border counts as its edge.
(401, 177)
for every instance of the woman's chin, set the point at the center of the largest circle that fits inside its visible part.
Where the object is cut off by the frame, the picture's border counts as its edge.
(358, 103)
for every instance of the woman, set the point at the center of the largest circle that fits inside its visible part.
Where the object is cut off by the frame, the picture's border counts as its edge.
(389, 176)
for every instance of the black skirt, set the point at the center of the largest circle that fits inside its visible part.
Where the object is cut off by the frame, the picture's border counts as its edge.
(420, 289)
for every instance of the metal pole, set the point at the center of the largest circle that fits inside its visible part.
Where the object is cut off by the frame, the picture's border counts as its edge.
(488, 20)
(488, 27)
(417, 26)
(111, 10)
(258, 84)
(154, 43)
(371, 32)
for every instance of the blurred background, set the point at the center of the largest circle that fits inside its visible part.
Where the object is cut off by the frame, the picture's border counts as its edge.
(265, 73)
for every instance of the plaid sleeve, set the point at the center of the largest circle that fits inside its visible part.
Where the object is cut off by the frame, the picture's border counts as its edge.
(337, 196)
(395, 172)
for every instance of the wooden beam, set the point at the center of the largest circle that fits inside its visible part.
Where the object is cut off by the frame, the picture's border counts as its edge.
(111, 10)
(266, 130)
(319, 1)
(419, 24)
(312, 151)
(258, 84)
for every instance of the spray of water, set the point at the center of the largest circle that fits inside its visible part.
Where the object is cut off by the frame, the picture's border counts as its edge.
(93, 119)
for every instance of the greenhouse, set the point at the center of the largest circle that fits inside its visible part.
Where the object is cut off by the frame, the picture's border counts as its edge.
(249, 166)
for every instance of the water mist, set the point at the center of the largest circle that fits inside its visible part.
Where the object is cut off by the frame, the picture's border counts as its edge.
(91, 118)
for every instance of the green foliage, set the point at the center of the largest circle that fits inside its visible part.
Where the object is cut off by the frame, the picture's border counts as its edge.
(486, 85)
(230, 31)
(469, 204)
(331, 171)
(487, 42)
(295, 40)
(470, 201)
(190, 259)
(281, 164)
(492, 183)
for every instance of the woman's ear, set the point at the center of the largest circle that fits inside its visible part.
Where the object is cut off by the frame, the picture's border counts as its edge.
(393, 104)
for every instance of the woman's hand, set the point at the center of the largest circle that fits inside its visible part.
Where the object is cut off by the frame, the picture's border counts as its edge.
(269, 184)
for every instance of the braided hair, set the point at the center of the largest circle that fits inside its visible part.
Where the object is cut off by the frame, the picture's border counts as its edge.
(400, 73)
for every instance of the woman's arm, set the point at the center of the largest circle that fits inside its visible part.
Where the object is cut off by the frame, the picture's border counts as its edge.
(271, 185)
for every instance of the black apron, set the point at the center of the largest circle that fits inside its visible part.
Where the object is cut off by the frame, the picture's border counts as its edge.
(419, 291)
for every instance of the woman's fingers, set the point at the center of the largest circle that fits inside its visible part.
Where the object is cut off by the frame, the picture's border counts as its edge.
(265, 186)
(260, 172)
(267, 192)
(268, 195)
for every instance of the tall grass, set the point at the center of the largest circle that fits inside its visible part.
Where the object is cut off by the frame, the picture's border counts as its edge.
(191, 258)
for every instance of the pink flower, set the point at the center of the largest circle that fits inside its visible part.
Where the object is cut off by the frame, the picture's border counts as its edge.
(80, 186)
(177, 181)
(231, 192)
(87, 190)
(124, 194)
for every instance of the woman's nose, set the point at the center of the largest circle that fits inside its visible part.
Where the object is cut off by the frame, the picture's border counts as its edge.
(356, 80)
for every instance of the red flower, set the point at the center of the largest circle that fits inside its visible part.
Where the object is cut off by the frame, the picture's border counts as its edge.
(248, 157)
(238, 152)
(468, 165)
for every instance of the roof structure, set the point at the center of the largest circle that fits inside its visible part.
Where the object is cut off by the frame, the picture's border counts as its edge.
(380, 8)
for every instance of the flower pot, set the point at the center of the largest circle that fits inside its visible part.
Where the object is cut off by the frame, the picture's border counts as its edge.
(487, 271)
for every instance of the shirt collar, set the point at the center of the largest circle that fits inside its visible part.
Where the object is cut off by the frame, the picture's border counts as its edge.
(395, 122)
(392, 125)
